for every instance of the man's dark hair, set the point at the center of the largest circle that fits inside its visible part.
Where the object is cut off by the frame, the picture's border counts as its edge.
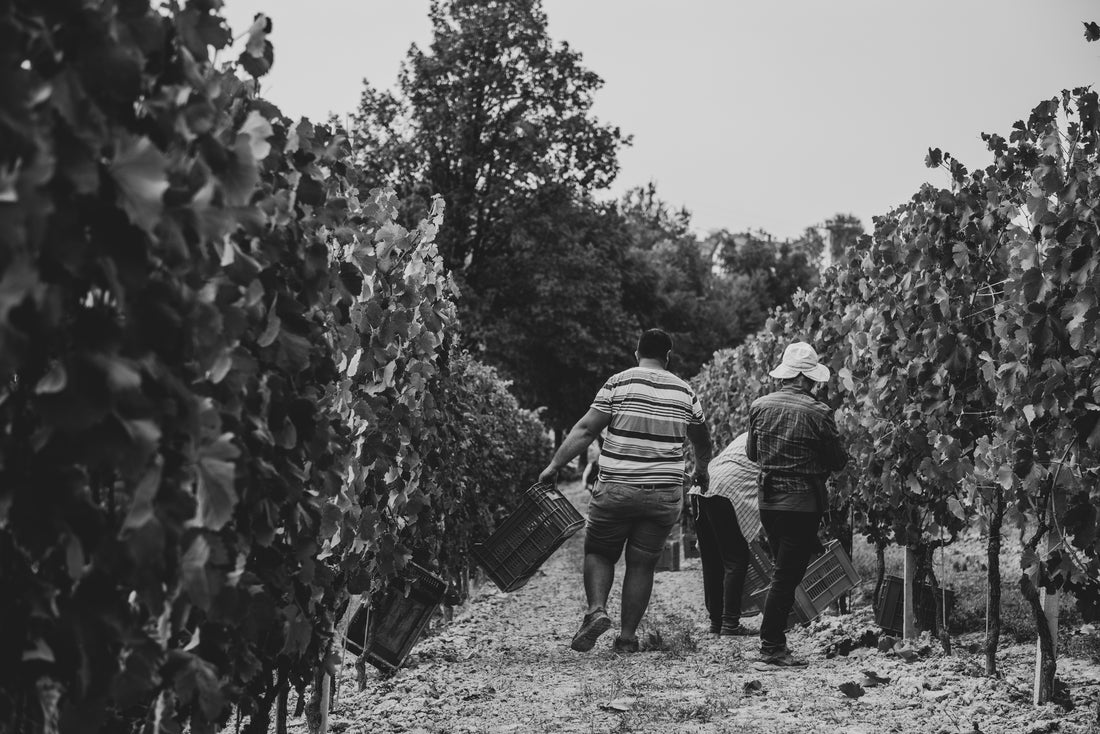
(654, 344)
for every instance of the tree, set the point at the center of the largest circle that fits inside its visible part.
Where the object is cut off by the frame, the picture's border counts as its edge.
(671, 281)
(777, 268)
(650, 220)
(490, 114)
(703, 312)
(844, 230)
(550, 310)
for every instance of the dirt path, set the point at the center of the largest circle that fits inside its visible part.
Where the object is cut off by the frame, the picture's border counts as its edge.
(504, 665)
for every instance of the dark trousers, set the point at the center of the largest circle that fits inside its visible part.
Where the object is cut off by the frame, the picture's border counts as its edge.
(792, 537)
(725, 556)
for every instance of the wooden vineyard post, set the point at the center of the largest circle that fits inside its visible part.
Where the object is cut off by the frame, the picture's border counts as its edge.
(326, 701)
(909, 617)
(320, 701)
(1050, 601)
(280, 710)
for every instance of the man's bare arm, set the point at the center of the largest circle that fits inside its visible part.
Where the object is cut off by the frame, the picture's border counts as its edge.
(584, 433)
(699, 435)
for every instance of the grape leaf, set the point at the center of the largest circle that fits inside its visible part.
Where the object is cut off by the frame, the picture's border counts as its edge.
(141, 506)
(139, 170)
(193, 569)
(215, 488)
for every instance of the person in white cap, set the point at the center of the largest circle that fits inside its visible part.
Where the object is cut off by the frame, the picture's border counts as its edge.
(793, 438)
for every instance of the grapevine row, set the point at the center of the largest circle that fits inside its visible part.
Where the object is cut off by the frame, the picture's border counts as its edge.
(962, 337)
(230, 397)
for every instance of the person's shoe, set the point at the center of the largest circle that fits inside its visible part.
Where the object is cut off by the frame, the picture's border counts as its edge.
(778, 660)
(593, 625)
(715, 629)
(737, 630)
(625, 646)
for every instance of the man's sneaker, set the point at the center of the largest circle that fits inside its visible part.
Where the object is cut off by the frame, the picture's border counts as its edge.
(594, 624)
(777, 660)
(623, 645)
(738, 630)
(715, 629)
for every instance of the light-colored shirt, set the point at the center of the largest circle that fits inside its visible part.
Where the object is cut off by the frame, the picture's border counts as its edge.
(650, 411)
(733, 476)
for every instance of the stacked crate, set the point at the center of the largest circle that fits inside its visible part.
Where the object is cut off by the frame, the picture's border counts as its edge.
(927, 602)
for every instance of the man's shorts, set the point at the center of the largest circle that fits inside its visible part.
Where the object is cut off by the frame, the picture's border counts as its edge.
(625, 513)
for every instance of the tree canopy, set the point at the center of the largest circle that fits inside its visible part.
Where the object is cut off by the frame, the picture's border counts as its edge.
(496, 117)
(491, 113)
(550, 309)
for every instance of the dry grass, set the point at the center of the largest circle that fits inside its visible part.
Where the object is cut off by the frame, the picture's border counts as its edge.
(672, 635)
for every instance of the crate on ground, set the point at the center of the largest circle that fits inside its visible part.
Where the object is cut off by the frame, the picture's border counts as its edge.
(691, 545)
(690, 534)
(670, 557)
(827, 577)
(385, 632)
(927, 603)
(544, 519)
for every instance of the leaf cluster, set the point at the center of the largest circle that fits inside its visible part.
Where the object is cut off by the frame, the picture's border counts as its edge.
(222, 367)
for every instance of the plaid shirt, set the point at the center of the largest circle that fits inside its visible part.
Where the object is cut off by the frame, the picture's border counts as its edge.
(733, 476)
(795, 441)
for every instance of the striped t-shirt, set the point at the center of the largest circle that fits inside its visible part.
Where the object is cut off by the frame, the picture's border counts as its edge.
(650, 411)
(733, 476)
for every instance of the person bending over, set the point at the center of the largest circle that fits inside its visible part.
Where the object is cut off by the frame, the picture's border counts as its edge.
(726, 520)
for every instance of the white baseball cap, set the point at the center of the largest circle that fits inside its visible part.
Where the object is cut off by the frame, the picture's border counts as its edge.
(800, 358)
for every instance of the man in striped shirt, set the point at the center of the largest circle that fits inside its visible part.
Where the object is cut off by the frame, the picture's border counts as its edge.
(648, 413)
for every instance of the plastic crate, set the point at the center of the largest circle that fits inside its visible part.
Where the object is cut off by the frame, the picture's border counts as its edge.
(797, 615)
(544, 520)
(670, 557)
(355, 638)
(757, 578)
(827, 577)
(928, 600)
(400, 617)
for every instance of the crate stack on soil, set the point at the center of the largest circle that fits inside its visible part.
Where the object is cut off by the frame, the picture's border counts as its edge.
(928, 602)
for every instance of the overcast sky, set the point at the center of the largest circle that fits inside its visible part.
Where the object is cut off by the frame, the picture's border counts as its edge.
(752, 114)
